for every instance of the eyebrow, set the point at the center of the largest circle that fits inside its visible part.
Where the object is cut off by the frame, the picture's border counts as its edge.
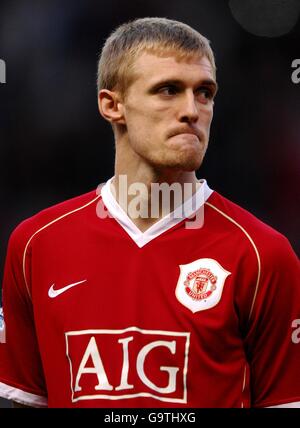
(177, 82)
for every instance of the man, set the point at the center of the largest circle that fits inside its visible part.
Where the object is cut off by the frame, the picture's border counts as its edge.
(106, 305)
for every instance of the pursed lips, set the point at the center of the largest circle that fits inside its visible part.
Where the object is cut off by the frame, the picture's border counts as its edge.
(186, 131)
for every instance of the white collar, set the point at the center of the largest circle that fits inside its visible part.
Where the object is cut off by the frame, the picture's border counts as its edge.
(189, 208)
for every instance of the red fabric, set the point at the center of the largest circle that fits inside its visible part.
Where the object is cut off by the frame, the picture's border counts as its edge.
(124, 325)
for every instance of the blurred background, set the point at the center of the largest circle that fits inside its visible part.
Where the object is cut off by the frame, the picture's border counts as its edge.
(54, 145)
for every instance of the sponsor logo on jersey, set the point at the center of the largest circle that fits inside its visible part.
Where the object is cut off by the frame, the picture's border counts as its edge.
(128, 363)
(2, 326)
(200, 284)
(52, 293)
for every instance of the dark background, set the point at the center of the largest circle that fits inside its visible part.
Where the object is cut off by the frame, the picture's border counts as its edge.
(54, 145)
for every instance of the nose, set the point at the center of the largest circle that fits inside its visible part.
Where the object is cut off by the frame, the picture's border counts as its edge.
(188, 112)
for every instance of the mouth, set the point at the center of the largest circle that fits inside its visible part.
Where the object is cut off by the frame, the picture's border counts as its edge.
(187, 133)
(184, 138)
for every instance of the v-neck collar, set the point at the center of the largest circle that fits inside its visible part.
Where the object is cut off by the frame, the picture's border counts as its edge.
(189, 208)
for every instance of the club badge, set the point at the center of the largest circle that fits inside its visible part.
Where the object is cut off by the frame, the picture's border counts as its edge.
(200, 284)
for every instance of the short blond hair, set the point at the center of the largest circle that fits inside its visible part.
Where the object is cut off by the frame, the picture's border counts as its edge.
(154, 35)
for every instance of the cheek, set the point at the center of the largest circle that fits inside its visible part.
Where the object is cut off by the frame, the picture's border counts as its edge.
(141, 118)
(207, 116)
(140, 131)
(145, 126)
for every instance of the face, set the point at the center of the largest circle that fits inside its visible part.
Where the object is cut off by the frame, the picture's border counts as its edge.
(168, 110)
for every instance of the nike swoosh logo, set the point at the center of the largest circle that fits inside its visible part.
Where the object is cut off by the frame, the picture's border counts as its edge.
(54, 293)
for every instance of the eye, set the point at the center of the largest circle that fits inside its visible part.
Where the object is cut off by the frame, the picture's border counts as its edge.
(205, 93)
(168, 90)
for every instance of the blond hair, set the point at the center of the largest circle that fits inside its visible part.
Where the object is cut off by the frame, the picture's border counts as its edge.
(153, 35)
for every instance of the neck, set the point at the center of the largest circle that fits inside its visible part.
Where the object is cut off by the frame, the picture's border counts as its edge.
(138, 188)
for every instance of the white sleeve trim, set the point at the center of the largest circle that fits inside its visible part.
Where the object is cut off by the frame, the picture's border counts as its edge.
(22, 397)
(294, 405)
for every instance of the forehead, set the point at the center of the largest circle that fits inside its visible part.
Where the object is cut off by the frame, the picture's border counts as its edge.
(149, 68)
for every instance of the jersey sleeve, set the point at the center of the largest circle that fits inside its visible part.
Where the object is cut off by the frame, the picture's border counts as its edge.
(272, 341)
(21, 372)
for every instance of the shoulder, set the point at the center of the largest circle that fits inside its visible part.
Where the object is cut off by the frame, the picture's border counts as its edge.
(270, 244)
(75, 207)
(268, 266)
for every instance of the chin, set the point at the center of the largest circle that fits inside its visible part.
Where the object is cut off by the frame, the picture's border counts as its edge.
(186, 160)
(190, 162)
(190, 166)
(187, 165)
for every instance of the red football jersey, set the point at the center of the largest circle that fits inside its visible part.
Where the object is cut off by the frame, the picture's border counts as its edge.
(100, 314)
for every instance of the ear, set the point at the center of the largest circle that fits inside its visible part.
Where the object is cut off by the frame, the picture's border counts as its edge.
(111, 106)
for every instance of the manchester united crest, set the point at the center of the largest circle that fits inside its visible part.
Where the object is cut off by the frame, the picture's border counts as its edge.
(200, 284)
